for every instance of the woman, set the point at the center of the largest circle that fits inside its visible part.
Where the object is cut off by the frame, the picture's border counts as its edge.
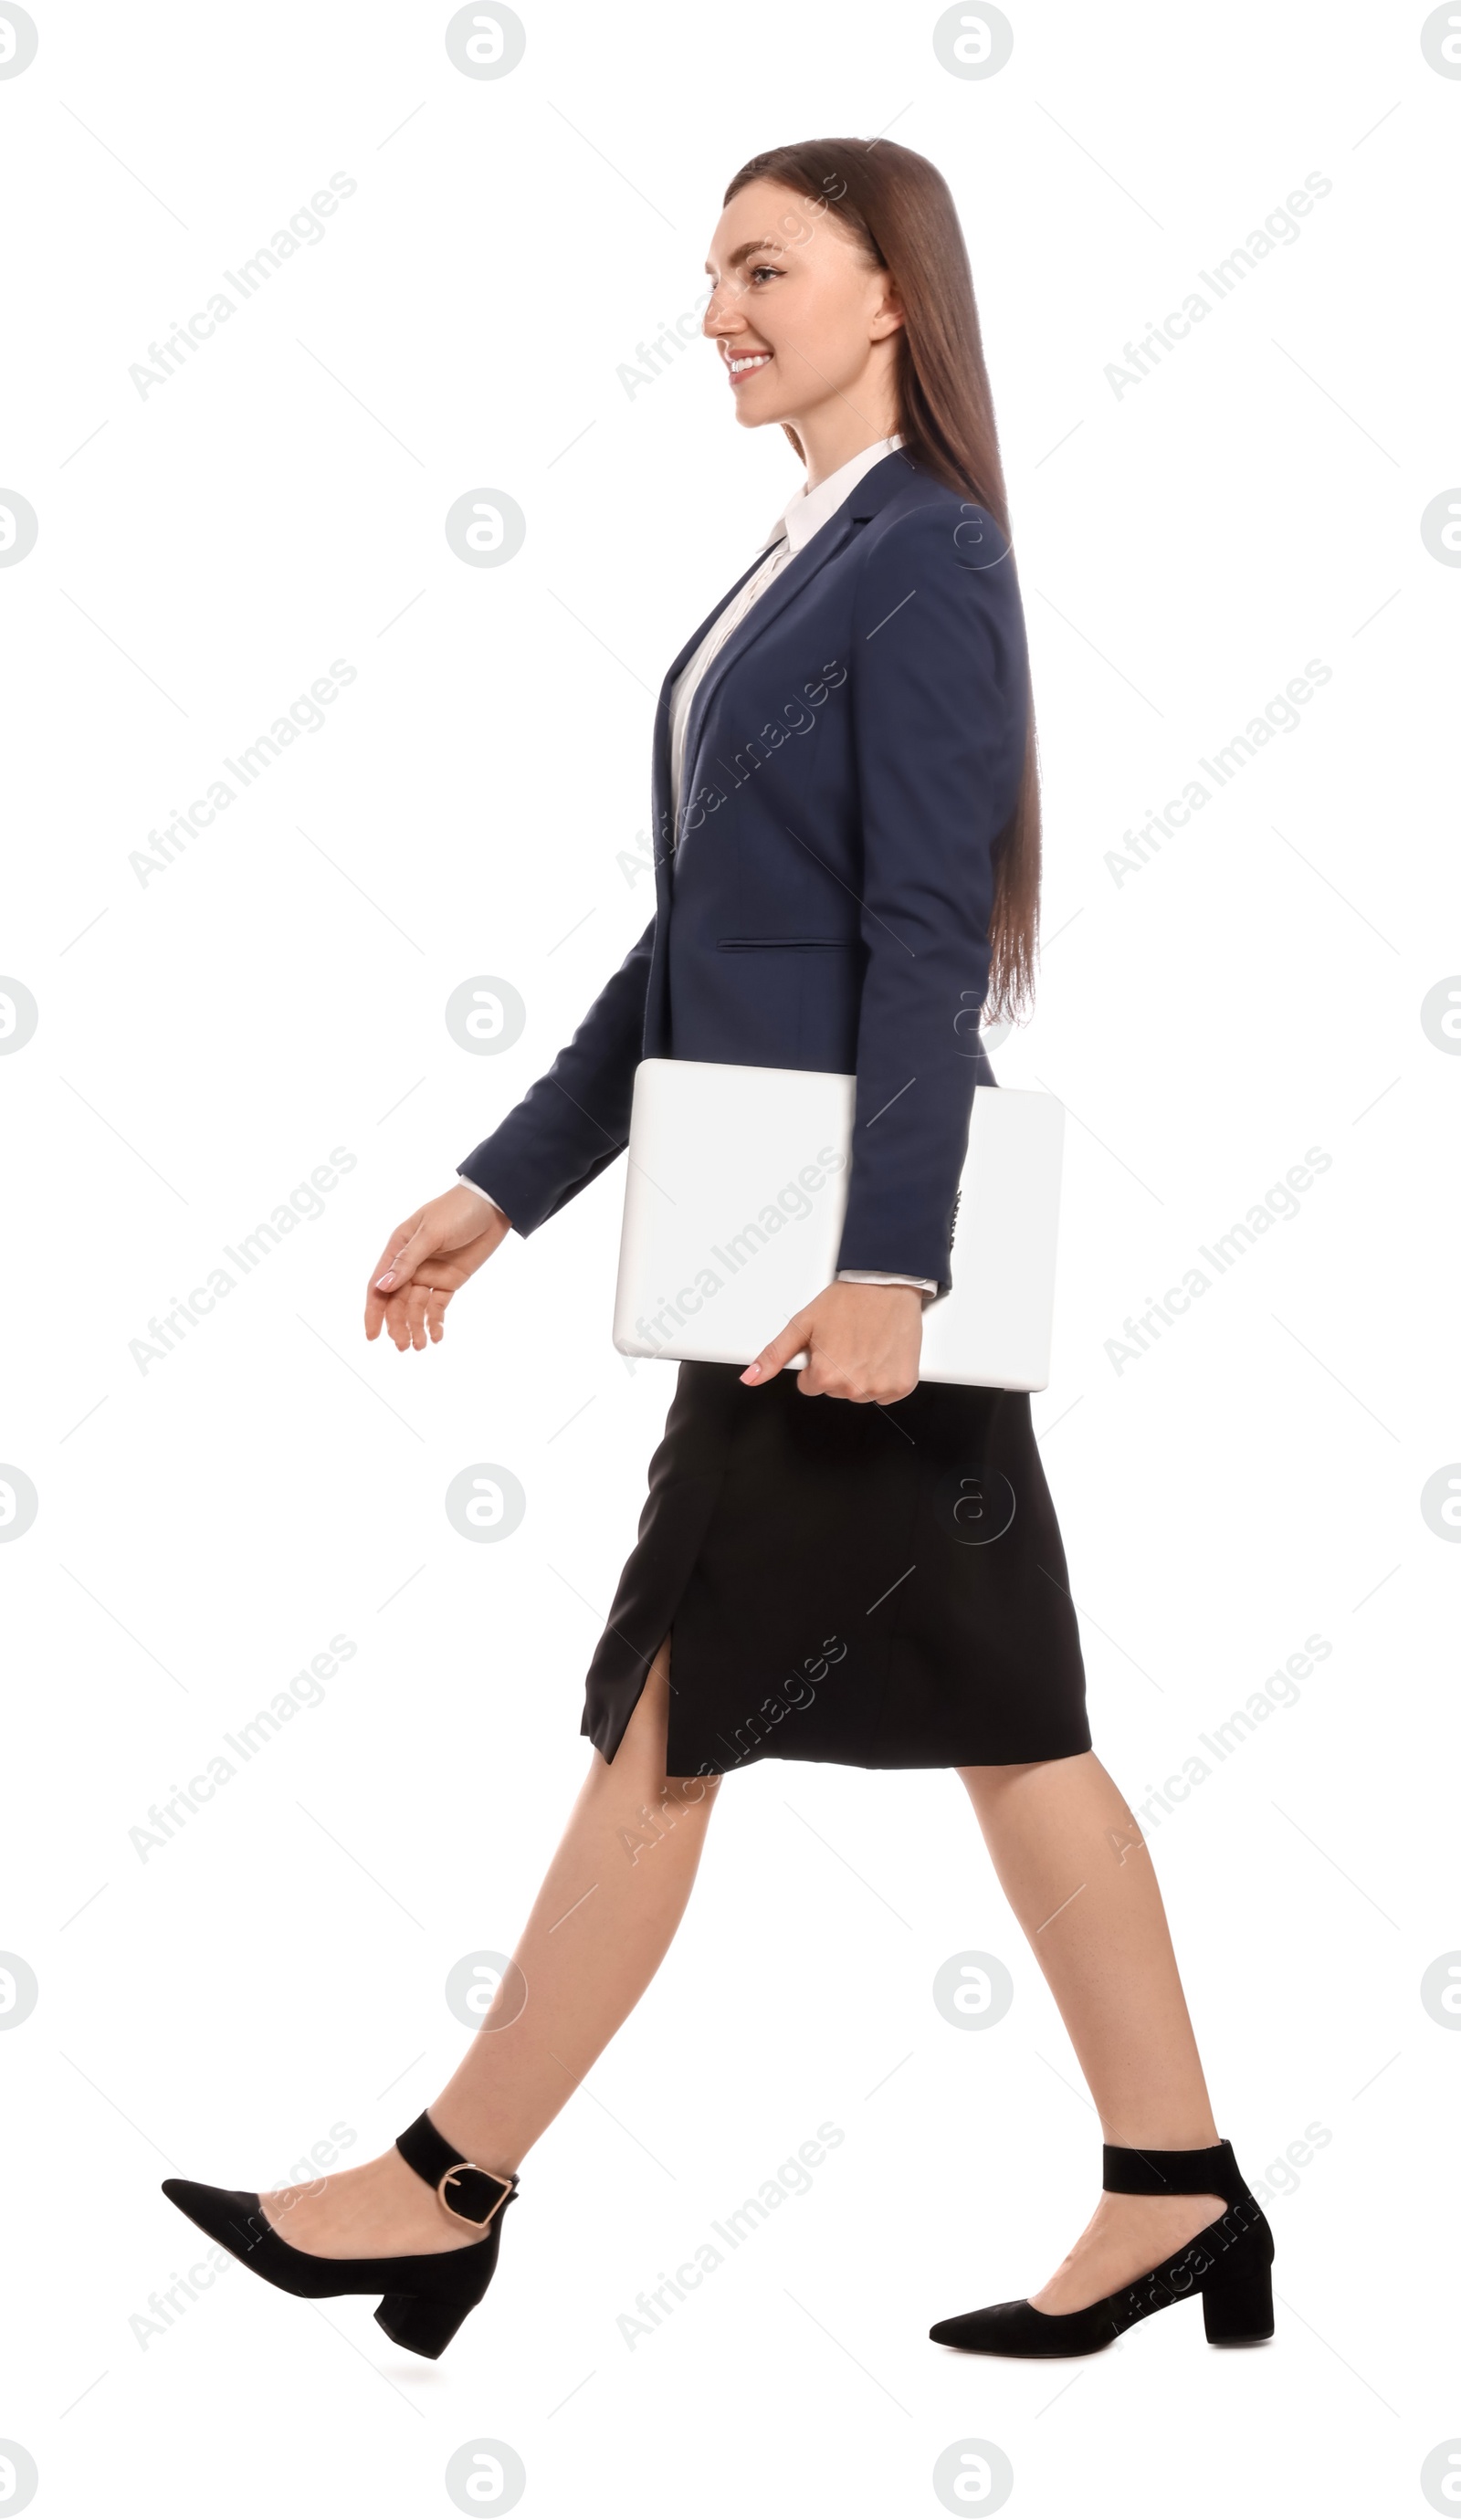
(848, 858)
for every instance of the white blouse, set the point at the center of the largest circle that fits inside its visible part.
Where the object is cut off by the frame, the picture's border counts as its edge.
(804, 514)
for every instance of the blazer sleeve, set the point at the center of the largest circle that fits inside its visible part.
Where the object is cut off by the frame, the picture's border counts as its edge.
(940, 708)
(576, 1120)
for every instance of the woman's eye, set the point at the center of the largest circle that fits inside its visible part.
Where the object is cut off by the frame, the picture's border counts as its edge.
(765, 271)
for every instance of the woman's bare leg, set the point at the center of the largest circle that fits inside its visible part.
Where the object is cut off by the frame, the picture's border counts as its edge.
(1078, 1873)
(601, 1924)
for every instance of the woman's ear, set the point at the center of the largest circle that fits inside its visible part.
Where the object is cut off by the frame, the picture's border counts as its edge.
(888, 316)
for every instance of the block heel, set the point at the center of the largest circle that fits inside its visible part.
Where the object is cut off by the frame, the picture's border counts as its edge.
(1229, 2264)
(425, 2296)
(421, 2324)
(1237, 2300)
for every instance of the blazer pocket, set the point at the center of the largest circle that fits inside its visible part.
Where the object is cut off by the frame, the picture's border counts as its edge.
(767, 944)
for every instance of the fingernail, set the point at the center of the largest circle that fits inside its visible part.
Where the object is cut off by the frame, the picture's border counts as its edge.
(388, 1279)
(750, 1373)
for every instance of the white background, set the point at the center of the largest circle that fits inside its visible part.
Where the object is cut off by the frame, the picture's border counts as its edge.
(472, 805)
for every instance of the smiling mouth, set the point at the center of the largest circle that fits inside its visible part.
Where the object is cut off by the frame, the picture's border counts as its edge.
(748, 362)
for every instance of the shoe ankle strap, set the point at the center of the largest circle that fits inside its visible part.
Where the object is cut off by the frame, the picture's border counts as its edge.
(1209, 2169)
(467, 2192)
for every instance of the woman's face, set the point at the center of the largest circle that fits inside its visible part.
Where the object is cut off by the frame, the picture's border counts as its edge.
(801, 319)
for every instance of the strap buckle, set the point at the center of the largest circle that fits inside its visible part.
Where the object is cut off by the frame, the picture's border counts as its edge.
(474, 2221)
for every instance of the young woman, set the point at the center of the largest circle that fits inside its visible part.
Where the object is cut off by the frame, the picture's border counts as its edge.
(847, 861)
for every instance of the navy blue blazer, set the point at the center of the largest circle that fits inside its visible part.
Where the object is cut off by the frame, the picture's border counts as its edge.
(852, 756)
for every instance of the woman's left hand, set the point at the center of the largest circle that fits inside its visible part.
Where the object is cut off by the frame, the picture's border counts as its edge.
(862, 1344)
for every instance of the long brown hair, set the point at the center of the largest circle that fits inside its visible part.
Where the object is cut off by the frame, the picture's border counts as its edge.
(902, 212)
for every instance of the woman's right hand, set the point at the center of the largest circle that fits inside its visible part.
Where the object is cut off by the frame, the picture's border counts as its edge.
(426, 1260)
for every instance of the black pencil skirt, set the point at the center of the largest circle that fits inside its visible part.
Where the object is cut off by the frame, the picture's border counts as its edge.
(875, 1587)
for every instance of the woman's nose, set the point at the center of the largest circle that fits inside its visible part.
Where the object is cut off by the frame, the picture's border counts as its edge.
(721, 315)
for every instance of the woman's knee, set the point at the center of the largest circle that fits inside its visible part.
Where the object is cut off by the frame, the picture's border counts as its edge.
(638, 1811)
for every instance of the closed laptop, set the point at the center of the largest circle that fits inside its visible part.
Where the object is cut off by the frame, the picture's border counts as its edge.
(734, 1191)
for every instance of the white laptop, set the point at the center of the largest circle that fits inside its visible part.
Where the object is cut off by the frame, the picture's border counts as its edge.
(735, 1191)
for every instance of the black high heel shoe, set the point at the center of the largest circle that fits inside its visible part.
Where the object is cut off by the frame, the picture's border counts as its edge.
(426, 2297)
(1229, 2264)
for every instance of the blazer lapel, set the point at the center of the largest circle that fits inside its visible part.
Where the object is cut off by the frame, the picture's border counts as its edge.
(663, 837)
(797, 573)
(656, 998)
(872, 493)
